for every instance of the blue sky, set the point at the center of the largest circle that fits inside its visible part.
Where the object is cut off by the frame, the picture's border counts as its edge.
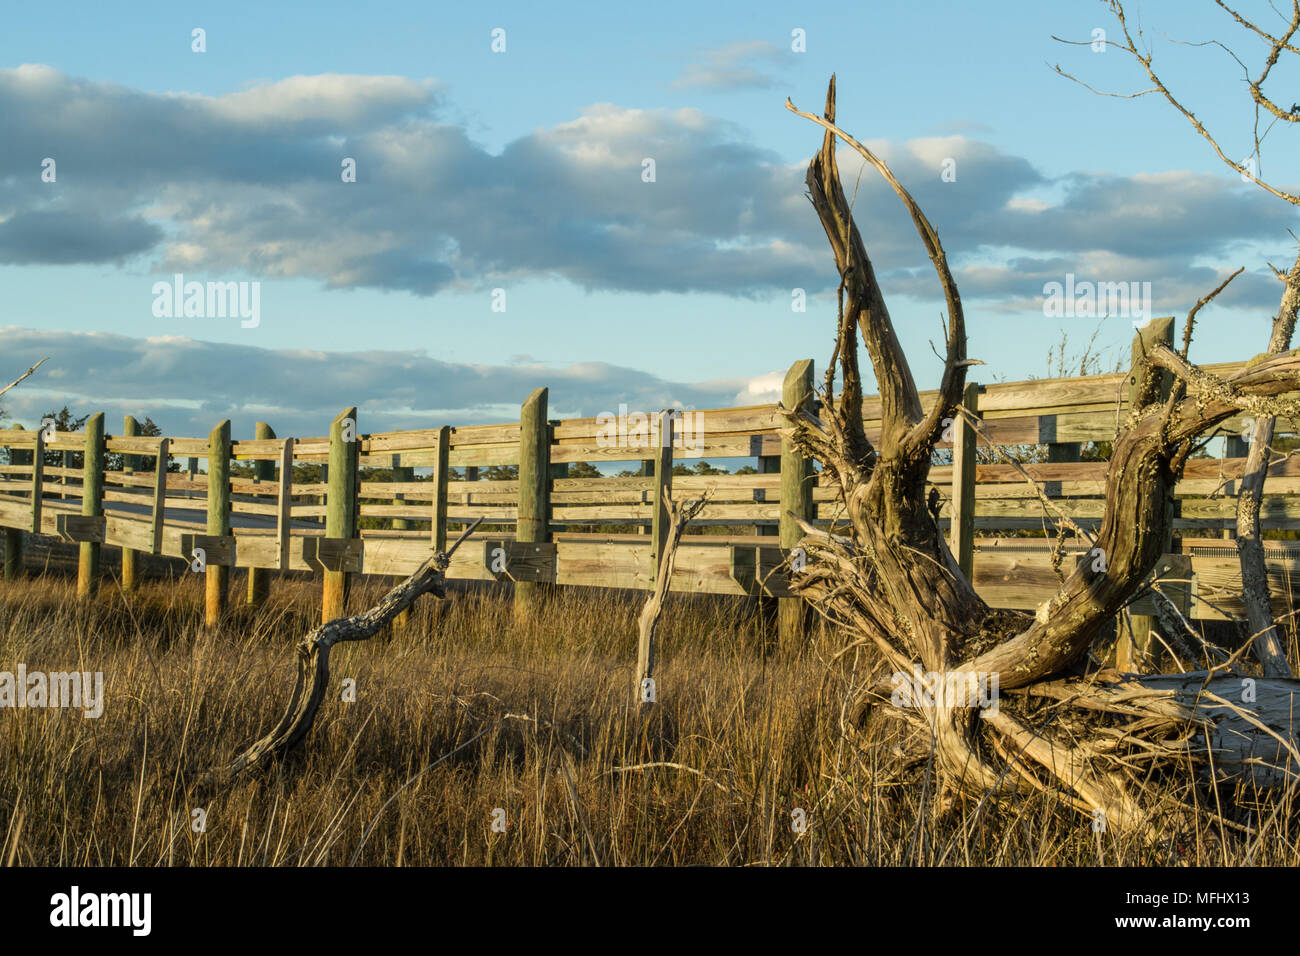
(522, 170)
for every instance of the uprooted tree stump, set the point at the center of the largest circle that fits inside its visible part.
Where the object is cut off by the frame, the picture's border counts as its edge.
(890, 581)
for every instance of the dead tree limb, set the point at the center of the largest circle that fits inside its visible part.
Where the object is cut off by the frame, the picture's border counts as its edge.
(314, 668)
(679, 515)
(1250, 544)
(24, 375)
(1201, 303)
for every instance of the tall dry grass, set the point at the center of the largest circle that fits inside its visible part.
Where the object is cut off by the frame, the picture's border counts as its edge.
(465, 712)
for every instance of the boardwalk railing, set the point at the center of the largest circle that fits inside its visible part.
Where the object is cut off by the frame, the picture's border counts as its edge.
(310, 504)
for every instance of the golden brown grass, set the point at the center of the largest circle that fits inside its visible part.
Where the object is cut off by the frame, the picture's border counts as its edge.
(466, 711)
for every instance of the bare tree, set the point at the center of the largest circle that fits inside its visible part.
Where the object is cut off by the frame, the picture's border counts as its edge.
(892, 582)
(1249, 540)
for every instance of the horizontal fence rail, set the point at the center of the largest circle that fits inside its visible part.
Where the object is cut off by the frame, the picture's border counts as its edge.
(361, 503)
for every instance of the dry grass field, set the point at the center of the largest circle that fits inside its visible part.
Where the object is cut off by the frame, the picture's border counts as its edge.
(464, 712)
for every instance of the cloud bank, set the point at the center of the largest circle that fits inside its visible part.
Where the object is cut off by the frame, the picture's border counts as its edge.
(248, 185)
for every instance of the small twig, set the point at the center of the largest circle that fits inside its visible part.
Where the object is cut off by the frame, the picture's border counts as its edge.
(1191, 316)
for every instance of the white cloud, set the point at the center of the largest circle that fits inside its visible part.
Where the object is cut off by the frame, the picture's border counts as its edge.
(193, 384)
(762, 389)
(731, 67)
(1026, 204)
(247, 185)
(330, 97)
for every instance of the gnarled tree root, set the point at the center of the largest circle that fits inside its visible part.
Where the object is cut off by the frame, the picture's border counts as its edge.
(1100, 742)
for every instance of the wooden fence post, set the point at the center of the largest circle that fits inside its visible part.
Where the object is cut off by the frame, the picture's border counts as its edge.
(284, 507)
(647, 470)
(1064, 451)
(92, 503)
(259, 581)
(441, 475)
(1131, 646)
(961, 528)
(767, 606)
(400, 473)
(217, 576)
(13, 554)
(437, 506)
(533, 522)
(14, 536)
(158, 516)
(797, 479)
(663, 483)
(130, 429)
(555, 471)
(340, 505)
(1234, 446)
(38, 480)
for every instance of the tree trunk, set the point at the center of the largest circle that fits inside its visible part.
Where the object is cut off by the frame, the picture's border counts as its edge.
(1250, 543)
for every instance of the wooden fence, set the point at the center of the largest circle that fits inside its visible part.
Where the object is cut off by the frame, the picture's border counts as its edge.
(542, 527)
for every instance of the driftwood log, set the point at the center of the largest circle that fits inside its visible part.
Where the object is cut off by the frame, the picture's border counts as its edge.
(314, 666)
(888, 578)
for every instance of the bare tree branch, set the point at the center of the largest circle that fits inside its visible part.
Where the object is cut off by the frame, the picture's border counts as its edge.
(679, 515)
(24, 375)
(1277, 45)
(924, 431)
(1201, 303)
